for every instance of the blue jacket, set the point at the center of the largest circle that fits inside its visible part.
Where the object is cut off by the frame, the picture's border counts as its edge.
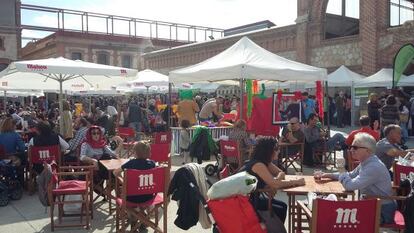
(12, 142)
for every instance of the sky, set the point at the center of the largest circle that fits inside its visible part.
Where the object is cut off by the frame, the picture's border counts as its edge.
(211, 13)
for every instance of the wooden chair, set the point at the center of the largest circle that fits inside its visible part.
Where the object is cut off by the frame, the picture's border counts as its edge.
(141, 182)
(161, 153)
(79, 168)
(162, 137)
(128, 134)
(323, 155)
(38, 155)
(59, 188)
(290, 160)
(341, 216)
(230, 149)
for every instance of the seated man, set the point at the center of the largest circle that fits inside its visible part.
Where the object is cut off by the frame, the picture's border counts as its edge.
(81, 126)
(364, 121)
(292, 133)
(371, 177)
(388, 148)
(314, 137)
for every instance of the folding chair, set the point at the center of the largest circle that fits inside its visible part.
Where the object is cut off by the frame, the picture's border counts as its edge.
(341, 216)
(230, 149)
(323, 155)
(128, 135)
(59, 188)
(38, 155)
(162, 137)
(80, 168)
(141, 182)
(290, 160)
(161, 153)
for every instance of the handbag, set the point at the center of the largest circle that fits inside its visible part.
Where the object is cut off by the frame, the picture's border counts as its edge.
(271, 221)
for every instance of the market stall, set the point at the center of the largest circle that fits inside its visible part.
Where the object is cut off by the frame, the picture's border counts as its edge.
(245, 61)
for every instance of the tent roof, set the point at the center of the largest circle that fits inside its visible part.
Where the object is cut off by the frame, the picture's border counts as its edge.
(383, 78)
(245, 59)
(150, 78)
(343, 77)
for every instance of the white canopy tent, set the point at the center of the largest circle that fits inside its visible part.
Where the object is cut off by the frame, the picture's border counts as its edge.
(246, 60)
(383, 78)
(63, 74)
(341, 77)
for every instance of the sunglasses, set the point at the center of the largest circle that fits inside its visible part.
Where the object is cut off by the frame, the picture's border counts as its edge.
(356, 147)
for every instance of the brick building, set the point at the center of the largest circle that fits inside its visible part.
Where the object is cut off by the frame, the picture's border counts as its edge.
(365, 40)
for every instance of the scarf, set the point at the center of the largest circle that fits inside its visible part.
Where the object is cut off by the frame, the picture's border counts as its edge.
(101, 143)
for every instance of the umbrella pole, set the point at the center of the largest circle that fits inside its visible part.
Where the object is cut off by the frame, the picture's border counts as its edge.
(352, 104)
(60, 102)
(147, 95)
(5, 102)
(169, 107)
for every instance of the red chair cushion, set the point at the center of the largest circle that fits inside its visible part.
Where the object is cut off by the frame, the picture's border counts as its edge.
(158, 199)
(399, 221)
(71, 187)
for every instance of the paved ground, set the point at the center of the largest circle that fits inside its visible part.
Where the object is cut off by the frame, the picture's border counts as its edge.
(28, 215)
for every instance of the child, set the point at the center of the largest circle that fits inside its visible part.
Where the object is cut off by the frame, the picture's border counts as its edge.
(185, 140)
(141, 162)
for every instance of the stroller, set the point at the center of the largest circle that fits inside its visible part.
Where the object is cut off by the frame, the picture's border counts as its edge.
(10, 187)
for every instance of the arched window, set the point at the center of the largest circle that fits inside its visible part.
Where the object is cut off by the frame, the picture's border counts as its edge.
(103, 58)
(400, 12)
(126, 61)
(341, 18)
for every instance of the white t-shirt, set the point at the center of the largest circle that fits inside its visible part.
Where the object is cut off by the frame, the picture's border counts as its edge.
(111, 110)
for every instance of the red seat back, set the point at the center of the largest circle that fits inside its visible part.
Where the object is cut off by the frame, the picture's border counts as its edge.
(126, 132)
(162, 137)
(402, 172)
(140, 182)
(160, 152)
(229, 148)
(345, 216)
(47, 154)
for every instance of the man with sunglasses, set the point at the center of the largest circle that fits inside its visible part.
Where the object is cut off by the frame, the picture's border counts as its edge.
(371, 177)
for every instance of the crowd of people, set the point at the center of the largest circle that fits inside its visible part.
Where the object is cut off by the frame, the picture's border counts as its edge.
(86, 135)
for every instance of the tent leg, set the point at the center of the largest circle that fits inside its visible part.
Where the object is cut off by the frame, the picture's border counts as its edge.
(241, 99)
(352, 104)
(5, 102)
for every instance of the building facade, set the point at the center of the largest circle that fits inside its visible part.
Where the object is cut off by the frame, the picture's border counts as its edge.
(10, 33)
(365, 41)
(115, 50)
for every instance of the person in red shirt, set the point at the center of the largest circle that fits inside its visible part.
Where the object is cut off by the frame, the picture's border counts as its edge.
(364, 121)
(365, 128)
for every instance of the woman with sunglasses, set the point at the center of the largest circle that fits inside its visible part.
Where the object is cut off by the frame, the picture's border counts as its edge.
(95, 148)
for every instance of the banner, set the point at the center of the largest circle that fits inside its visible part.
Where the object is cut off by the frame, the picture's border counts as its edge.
(402, 59)
(285, 106)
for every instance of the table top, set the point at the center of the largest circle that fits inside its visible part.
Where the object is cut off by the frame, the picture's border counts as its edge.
(112, 164)
(325, 186)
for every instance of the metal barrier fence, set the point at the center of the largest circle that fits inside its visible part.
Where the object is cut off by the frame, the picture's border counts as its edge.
(216, 133)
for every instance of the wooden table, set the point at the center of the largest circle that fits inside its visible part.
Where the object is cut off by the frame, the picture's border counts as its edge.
(323, 187)
(111, 165)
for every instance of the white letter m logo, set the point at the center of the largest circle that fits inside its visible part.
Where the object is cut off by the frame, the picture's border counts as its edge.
(346, 216)
(44, 154)
(146, 180)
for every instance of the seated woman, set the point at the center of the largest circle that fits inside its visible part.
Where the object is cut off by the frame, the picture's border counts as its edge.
(239, 134)
(93, 149)
(13, 145)
(268, 175)
(46, 137)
